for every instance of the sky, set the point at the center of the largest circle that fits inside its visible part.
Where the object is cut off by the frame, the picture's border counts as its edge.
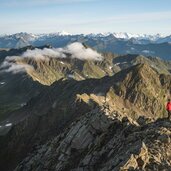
(85, 16)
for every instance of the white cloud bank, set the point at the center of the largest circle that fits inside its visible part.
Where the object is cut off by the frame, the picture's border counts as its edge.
(79, 51)
(11, 66)
(74, 50)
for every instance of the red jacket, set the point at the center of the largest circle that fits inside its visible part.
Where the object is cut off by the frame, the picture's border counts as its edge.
(168, 106)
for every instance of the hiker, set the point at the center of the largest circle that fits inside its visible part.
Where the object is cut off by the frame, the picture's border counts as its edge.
(168, 108)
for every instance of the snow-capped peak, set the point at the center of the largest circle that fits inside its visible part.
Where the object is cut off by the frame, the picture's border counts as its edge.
(60, 33)
(64, 33)
(127, 36)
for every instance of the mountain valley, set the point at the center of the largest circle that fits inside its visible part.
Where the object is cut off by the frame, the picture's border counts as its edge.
(74, 110)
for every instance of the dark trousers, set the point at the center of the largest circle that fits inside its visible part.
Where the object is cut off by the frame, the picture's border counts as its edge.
(169, 114)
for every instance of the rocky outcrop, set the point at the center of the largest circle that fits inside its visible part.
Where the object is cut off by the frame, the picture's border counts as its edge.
(97, 142)
(143, 87)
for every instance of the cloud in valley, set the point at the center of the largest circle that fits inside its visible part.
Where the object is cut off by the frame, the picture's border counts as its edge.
(43, 54)
(11, 66)
(79, 51)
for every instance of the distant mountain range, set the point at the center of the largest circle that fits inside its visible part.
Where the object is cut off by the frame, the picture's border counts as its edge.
(156, 38)
(119, 43)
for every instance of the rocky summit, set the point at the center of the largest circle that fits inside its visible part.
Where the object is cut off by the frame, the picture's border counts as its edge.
(110, 122)
(98, 141)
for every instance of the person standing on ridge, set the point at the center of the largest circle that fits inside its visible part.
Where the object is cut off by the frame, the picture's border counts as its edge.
(168, 108)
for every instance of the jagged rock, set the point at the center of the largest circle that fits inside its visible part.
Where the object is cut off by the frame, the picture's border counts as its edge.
(115, 148)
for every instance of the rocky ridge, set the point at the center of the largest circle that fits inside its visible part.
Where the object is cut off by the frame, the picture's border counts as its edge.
(125, 98)
(48, 70)
(99, 142)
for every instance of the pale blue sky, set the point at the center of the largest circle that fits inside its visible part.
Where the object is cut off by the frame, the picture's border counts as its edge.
(85, 16)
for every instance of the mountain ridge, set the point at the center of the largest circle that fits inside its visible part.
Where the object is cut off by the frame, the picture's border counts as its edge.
(71, 99)
(46, 72)
(77, 104)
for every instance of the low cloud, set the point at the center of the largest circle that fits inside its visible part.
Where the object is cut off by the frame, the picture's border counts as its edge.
(10, 66)
(79, 51)
(43, 54)
(74, 50)
(16, 68)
